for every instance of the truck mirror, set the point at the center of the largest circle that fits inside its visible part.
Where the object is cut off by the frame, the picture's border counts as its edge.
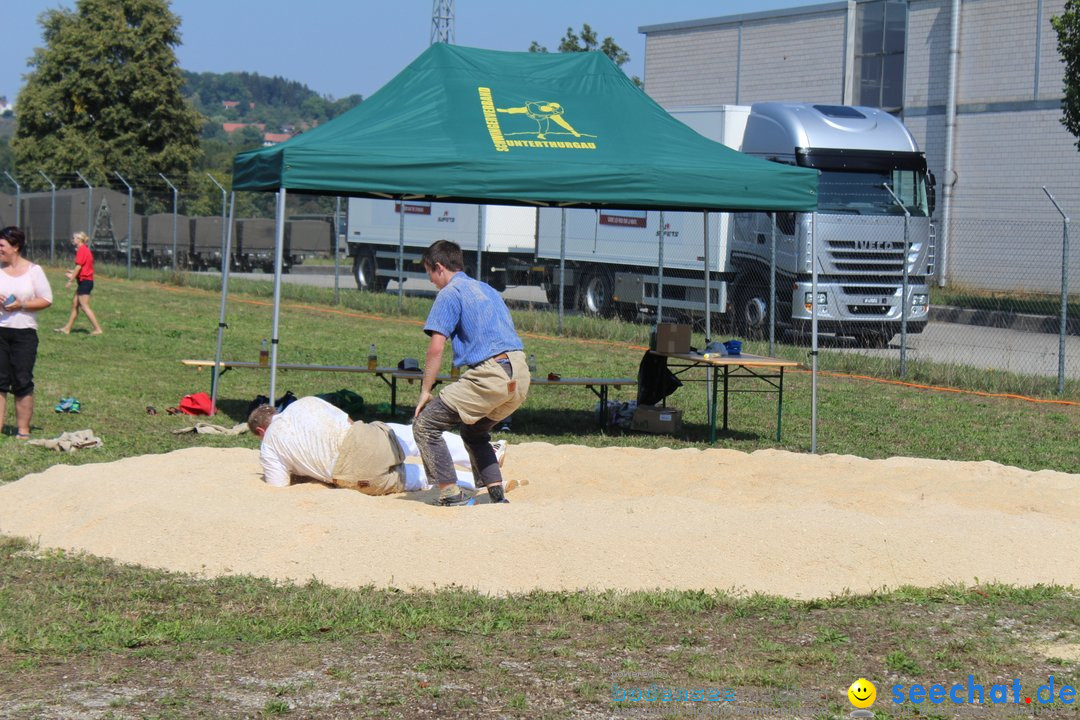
(931, 192)
(785, 222)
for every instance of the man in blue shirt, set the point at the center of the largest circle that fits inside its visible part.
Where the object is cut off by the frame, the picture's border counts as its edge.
(494, 381)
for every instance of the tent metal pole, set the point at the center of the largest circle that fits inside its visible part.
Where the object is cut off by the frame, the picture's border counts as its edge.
(279, 250)
(710, 374)
(660, 271)
(772, 288)
(337, 251)
(225, 255)
(480, 242)
(813, 332)
(708, 285)
(401, 253)
(562, 269)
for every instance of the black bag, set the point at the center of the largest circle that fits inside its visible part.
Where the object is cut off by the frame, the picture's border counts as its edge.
(285, 401)
(655, 381)
(259, 400)
(347, 400)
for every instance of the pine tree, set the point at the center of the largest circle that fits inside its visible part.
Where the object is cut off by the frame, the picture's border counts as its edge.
(104, 95)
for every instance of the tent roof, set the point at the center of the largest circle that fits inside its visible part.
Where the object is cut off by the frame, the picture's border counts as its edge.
(468, 125)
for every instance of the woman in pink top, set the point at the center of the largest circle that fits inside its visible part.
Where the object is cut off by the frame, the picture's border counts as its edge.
(83, 275)
(24, 290)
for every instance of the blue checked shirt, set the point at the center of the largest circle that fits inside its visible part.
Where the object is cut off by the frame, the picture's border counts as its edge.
(475, 318)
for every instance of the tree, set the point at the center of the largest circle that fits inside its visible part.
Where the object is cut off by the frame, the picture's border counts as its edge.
(586, 42)
(104, 95)
(1067, 26)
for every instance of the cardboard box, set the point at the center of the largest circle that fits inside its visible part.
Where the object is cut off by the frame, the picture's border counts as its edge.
(656, 419)
(672, 338)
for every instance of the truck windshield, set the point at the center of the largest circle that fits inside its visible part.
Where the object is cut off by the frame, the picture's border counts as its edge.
(862, 193)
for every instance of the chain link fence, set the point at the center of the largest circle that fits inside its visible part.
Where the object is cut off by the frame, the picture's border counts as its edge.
(994, 324)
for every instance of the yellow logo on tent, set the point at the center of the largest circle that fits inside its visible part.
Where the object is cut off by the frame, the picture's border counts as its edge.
(545, 113)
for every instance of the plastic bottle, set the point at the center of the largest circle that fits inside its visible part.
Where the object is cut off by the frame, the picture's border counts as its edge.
(455, 372)
(532, 364)
(372, 358)
(264, 354)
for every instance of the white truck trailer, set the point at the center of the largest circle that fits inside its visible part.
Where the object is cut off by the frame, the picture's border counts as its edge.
(504, 235)
(613, 257)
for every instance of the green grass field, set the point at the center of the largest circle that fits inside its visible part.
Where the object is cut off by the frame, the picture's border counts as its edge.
(83, 637)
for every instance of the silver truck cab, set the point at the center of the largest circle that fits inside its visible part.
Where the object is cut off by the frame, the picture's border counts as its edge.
(859, 226)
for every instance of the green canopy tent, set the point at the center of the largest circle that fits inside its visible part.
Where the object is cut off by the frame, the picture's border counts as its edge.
(467, 125)
(483, 126)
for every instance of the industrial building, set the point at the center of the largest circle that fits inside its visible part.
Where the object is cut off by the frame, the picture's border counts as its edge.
(978, 82)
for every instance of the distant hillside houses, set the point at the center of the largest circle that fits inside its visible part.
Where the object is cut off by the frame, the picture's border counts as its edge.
(231, 127)
(269, 138)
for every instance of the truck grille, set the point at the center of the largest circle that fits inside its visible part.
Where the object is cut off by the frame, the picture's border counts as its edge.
(874, 257)
(869, 289)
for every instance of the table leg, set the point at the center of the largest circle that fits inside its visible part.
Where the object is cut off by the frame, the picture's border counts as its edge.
(603, 407)
(780, 406)
(711, 402)
(393, 396)
(727, 369)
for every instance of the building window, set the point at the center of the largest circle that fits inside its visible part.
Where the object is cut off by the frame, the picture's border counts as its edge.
(881, 28)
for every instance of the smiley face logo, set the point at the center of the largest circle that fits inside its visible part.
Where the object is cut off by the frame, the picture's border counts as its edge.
(862, 693)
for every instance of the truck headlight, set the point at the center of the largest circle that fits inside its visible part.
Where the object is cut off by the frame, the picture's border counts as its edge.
(822, 299)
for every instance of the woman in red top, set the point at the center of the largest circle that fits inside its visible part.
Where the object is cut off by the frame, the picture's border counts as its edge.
(83, 275)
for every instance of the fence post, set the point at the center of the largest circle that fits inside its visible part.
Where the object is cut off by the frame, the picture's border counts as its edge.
(52, 215)
(18, 200)
(224, 219)
(904, 286)
(1064, 292)
(89, 205)
(175, 265)
(131, 199)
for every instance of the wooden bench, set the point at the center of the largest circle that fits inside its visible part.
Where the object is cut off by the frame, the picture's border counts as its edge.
(391, 376)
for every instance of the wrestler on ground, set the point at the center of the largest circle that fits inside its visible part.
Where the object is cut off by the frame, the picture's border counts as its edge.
(312, 439)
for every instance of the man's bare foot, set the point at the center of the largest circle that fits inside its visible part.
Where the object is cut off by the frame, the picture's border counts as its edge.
(98, 332)
(62, 331)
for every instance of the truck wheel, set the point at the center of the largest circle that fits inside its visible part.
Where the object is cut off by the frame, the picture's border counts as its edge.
(364, 272)
(752, 311)
(496, 279)
(552, 291)
(596, 292)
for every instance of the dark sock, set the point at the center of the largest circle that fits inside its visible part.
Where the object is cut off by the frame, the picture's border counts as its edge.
(495, 492)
